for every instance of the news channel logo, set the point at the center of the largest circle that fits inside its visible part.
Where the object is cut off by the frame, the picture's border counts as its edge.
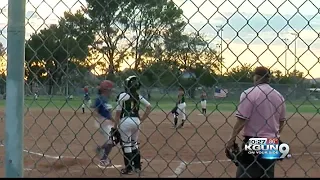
(268, 148)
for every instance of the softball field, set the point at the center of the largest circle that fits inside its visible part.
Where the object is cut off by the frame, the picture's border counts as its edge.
(62, 143)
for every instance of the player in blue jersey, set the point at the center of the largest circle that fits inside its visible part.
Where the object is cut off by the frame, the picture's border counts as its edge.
(104, 121)
(86, 99)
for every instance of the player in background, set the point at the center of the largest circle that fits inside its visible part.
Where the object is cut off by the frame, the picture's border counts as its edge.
(103, 120)
(181, 108)
(128, 118)
(86, 99)
(203, 102)
(36, 94)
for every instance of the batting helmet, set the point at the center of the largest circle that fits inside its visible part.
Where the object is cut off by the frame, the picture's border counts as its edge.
(132, 84)
(105, 85)
(86, 89)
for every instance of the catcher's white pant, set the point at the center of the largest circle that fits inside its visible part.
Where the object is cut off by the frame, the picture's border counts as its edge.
(203, 104)
(104, 126)
(129, 131)
(86, 103)
(182, 110)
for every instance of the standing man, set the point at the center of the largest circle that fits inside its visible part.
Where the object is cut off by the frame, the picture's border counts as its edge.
(203, 102)
(128, 119)
(86, 99)
(261, 114)
(103, 120)
(180, 108)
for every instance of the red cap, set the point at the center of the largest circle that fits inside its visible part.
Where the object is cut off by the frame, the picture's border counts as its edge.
(106, 84)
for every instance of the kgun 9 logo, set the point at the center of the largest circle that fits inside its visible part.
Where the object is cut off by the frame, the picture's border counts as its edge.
(267, 148)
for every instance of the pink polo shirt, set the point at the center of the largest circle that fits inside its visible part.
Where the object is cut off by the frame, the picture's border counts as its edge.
(263, 107)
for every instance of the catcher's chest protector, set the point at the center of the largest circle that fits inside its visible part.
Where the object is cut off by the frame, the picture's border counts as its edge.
(130, 107)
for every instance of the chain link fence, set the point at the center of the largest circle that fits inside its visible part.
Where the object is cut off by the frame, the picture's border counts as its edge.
(202, 45)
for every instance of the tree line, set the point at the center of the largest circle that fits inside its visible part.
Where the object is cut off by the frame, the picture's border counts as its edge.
(106, 34)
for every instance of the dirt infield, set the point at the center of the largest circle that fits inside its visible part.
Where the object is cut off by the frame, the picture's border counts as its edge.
(197, 150)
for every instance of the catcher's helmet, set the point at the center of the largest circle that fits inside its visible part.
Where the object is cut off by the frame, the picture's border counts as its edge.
(132, 84)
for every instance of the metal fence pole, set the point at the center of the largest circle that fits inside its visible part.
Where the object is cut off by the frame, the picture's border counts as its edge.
(14, 121)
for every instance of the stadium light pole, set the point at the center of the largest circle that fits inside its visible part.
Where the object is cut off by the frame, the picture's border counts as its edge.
(285, 56)
(218, 46)
(295, 50)
(67, 70)
(220, 29)
(295, 61)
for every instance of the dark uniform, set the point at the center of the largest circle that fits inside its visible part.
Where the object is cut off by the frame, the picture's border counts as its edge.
(180, 110)
(128, 104)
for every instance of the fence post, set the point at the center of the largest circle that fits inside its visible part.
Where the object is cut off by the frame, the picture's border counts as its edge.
(14, 120)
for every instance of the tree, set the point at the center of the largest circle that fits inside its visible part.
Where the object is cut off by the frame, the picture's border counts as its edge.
(2, 50)
(150, 19)
(3, 60)
(161, 73)
(204, 75)
(109, 20)
(53, 51)
(291, 78)
(241, 73)
(3, 64)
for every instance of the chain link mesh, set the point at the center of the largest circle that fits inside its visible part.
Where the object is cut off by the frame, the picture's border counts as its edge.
(202, 45)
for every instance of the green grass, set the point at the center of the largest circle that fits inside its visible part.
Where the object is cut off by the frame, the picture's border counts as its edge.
(165, 104)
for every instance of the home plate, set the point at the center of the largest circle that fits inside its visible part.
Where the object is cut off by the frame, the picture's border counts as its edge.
(110, 167)
(200, 114)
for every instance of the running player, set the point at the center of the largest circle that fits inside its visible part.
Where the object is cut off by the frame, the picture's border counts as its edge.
(86, 99)
(204, 102)
(103, 120)
(127, 114)
(181, 108)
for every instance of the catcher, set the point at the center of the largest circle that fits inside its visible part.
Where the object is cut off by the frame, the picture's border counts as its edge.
(104, 121)
(127, 114)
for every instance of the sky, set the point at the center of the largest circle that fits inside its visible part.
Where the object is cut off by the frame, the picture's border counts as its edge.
(253, 30)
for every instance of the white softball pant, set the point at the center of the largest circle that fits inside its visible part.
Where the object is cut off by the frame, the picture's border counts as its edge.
(129, 131)
(203, 104)
(104, 126)
(86, 104)
(182, 110)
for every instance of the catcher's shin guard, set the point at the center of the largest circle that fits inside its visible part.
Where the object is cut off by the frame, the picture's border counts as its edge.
(136, 159)
(127, 157)
(175, 121)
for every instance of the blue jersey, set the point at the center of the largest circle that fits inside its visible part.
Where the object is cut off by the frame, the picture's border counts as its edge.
(86, 97)
(102, 107)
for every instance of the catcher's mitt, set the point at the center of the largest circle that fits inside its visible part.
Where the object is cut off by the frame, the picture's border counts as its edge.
(174, 110)
(115, 136)
(232, 153)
